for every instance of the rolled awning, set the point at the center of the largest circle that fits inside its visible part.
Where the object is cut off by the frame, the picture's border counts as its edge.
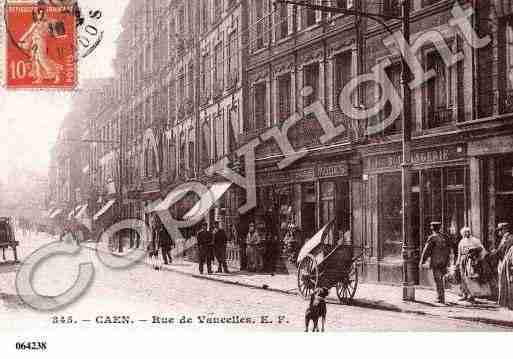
(81, 213)
(208, 200)
(71, 214)
(104, 209)
(55, 213)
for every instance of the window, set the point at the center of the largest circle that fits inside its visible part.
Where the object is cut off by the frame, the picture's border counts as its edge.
(190, 81)
(507, 101)
(282, 22)
(308, 17)
(392, 8)
(191, 158)
(284, 92)
(260, 105)
(259, 23)
(219, 136)
(180, 89)
(393, 72)
(311, 79)
(344, 4)
(233, 58)
(218, 9)
(343, 72)
(205, 15)
(206, 143)
(205, 77)
(438, 93)
(391, 216)
(218, 74)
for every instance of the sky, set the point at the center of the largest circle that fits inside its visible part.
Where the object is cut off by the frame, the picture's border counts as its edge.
(35, 116)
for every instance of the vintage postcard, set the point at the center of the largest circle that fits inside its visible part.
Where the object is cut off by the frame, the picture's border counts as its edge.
(255, 166)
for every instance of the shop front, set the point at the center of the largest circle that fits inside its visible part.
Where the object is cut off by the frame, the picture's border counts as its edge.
(439, 192)
(492, 186)
(297, 202)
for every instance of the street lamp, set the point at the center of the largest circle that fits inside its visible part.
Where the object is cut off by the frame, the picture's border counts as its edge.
(409, 249)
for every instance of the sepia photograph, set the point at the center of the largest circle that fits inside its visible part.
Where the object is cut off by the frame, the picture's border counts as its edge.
(255, 167)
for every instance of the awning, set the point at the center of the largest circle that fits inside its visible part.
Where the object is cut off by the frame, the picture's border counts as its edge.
(104, 209)
(55, 213)
(81, 213)
(82, 218)
(207, 201)
(151, 207)
(49, 212)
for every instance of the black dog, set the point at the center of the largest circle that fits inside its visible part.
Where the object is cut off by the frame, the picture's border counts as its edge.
(316, 309)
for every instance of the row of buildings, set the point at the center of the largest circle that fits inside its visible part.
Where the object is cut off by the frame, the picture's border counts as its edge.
(195, 80)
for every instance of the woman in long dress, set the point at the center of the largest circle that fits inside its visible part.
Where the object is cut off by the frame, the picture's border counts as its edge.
(35, 40)
(471, 255)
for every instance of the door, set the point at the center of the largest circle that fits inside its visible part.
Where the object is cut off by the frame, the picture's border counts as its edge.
(308, 219)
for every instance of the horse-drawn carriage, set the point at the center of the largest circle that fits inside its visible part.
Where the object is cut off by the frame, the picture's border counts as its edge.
(7, 237)
(321, 265)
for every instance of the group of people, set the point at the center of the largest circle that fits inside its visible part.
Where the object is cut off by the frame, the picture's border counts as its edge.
(259, 251)
(479, 273)
(212, 244)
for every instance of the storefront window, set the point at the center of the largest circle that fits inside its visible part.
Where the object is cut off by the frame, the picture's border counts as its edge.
(328, 207)
(391, 217)
(504, 194)
(308, 209)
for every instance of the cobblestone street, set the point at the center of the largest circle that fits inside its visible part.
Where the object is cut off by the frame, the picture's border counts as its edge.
(141, 292)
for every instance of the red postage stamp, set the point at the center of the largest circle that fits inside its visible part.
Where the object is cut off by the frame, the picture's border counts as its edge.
(41, 47)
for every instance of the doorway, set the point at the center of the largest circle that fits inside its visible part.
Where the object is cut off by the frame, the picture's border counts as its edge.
(308, 220)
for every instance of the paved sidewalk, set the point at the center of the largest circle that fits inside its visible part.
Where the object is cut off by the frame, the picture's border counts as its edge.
(375, 296)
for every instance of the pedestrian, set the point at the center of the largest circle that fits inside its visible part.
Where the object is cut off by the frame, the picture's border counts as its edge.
(220, 242)
(205, 243)
(438, 248)
(165, 242)
(504, 255)
(254, 242)
(152, 252)
(272, 252)
(472, 267)
(241, 240)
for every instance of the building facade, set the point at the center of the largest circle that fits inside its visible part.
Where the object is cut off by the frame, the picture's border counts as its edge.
(195, 80)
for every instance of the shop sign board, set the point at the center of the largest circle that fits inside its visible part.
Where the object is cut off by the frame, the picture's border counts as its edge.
(418, 157)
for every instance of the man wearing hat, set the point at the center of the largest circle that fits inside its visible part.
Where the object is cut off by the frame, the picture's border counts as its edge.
(438, 248)
(504, 254)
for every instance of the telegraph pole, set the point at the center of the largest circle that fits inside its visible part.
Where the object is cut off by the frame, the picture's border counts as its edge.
(409, 250)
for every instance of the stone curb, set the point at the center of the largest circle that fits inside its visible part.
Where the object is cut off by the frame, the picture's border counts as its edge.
(355, 303)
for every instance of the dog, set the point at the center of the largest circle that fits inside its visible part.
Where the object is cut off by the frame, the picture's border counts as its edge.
(317, 309)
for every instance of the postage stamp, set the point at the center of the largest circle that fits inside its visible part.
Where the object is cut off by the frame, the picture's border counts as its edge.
(41, 46)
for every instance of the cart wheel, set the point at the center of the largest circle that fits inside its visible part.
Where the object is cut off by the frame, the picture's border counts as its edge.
(346, 288)
(307, 276)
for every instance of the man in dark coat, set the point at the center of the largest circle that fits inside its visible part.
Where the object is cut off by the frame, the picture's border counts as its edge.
(165, 242)
(220, 241)
(504, 256)
(438, 248)
(205, 244)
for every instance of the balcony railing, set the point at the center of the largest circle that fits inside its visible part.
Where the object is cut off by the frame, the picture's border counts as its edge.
(439, 116)
(507, 102)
